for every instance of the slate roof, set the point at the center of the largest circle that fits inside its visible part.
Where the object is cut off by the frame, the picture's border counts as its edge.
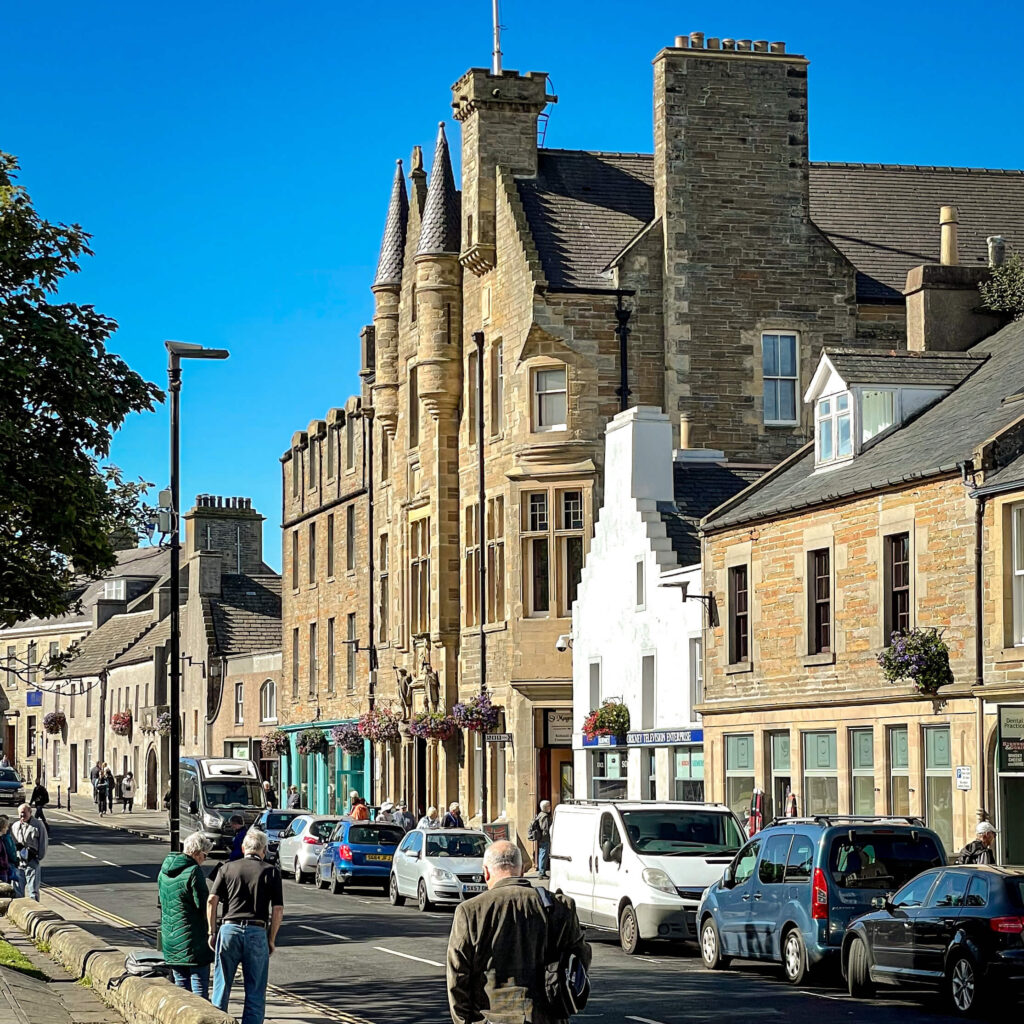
(247, 615)
(102, 646)
(584, 208)
(699, 487)
(866, 366)
(1011, 473)
(392, 246)
(440, 227)
(929, 444)
(142, 649)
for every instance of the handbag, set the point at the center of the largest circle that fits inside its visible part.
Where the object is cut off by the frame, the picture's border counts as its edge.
(141, 963)
(566, 982)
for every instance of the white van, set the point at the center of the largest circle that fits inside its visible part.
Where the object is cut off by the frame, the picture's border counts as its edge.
(640, 868)
(211, 790)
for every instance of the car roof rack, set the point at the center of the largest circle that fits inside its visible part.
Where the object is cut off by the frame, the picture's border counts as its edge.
(836, 819)
(585, 802)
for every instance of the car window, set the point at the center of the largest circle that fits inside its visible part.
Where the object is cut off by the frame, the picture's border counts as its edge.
(881, 860)
(339, 833)
(407, 842)
(801, 858)
(686, 832)
(609, 832)
(8, 775)
(950, 891)
(456, 845)
(745, 861)
(914, 893)
(276, 820)
(977, 892)
(372, 834)
(773, 861)
(322, 829)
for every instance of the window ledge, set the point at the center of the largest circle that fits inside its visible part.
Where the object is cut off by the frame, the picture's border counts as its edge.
(738, 668)
(824, 658)
(783, 424)
(1008, 654)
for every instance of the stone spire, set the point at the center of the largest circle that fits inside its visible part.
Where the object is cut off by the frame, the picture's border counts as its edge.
(392, 246)
(439, 232)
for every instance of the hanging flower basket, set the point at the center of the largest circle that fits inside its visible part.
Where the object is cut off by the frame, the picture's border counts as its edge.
(610, 719)
(312, 741)
(121, 723)
(477, 713)
(381, 725)
(347, 737)
(433, 725)
(920, 656)
(54, 722)
(274, 743)
(163, 723)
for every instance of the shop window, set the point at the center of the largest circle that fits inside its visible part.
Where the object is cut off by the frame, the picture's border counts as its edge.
(862, 771)
(782, 774)
(739, 772)
(739, 616)
(688, 764)
(820, 601)
(899, 771)
(609, 780)
(821, 779)
(938, 783)
(650, 780)
(897, 584)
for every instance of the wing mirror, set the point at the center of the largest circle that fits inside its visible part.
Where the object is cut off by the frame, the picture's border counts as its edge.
(883, 902)
(728, 877)
(611, 853)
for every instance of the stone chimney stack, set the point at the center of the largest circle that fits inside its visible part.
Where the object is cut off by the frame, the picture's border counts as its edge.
(638, 454)
(949, 218)
(229, 525)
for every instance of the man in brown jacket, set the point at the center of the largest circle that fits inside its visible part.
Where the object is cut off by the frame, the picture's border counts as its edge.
(499, 945)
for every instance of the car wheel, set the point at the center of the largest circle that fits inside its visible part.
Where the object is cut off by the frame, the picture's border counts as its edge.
(858, 973)
(963, 985)
(337, 885)
(394, 896)
(711, 946)
(794, 957)
(629, 931)
(422, 899)
(297, 873)
(321, 882)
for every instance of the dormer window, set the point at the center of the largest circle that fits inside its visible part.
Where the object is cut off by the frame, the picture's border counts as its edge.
(834, 428)
(877, 412)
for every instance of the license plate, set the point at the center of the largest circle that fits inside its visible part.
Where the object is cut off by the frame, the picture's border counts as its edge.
(473, 888)
(378, 856)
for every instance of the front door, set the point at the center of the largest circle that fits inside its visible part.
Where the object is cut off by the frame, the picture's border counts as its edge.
(768, 898)
(734, 902)
(151, 781)
(608, 885)
(73, 769)
(561, 776)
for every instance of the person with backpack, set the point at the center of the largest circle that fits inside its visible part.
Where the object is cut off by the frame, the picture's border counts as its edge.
(184, 930)
(39, 799)
(511, 948)
(539, 832)
(981, 850)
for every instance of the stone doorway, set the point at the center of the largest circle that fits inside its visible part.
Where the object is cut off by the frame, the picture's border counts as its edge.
(151, 781)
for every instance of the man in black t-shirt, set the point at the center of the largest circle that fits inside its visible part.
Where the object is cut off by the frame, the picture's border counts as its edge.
(251, 893)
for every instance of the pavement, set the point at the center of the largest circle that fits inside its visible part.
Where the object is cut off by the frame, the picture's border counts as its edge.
(355, 959)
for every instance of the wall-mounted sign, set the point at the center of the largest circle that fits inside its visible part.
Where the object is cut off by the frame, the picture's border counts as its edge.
(963, 776)
(34, 699)
(498, 737)
(601, 741)
(664, 737)
(1011, 738)
(559, 725)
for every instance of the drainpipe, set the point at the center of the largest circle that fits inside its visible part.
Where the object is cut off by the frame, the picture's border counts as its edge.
(478, 337)
(622, 315)
(967, 474)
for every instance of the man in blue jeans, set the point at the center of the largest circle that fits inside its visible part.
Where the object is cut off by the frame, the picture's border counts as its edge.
(253, 908)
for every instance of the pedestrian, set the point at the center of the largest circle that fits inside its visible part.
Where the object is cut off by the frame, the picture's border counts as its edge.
(430, 819)
(501, 942)
(980, 850)
(270, 794)
(403, 817)
(253, 901)
(128, 793)
(111, 787)
(293, 798)
(13, 875)
(39, 799)
(359, 812)
(184, 929)
(453, 819)
(102, 792)
(30, 839)
(237, 824)
(539, 832)
(5, 762)
(384, 814)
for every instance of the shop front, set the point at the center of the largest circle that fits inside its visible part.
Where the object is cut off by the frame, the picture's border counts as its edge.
(660, 764)
(326, 774)
(1010, 782)
(554, 758)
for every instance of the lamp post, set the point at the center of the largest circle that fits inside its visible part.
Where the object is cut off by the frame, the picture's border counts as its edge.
(176, 351)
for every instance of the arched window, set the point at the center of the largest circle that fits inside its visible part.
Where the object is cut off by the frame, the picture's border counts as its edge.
(268, 701)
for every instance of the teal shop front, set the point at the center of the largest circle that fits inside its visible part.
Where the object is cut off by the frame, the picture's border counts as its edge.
(324, 780)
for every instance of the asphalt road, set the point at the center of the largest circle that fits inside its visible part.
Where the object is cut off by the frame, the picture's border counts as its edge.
(357, 953)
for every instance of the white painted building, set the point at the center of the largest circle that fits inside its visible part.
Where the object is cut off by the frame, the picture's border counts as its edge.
(634, 637)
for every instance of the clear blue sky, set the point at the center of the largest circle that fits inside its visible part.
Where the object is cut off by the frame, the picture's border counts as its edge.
(233, 161)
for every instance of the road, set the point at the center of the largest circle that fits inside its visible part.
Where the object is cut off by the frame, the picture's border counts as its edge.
(358, 954)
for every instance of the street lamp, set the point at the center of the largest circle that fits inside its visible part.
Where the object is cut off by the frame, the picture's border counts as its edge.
(176, 351)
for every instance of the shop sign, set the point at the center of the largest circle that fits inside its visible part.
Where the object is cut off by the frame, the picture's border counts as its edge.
(963, 776)
(1011, 738)
(664, 737)
(498, 737)
(601, 741)
(559, 728)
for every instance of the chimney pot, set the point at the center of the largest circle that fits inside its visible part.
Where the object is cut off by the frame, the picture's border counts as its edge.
(996, 251)
(684, 430)
(948, 219)
(713, 43)
(697, 40)
(777, 47)
(761, 45)
(728, 44)
(681, 42)
(744, 44)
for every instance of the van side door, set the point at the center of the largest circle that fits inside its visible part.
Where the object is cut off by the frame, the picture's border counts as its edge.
(572, 857)
(768, 897)
(607, 865)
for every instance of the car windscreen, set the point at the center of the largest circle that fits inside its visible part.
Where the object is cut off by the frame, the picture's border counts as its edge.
(233, 793)
(456, 846)
(375, 835)
(881, 860)
(321, 830)
(279, 821)
(682, 833)
(8, 775)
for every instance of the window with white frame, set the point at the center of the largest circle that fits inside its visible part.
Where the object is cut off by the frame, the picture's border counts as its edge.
(113, 590)
(545, 577)
(640, 589)
(877, 412)
(1017, 568)
(239, 703)
(268, 701)
(833, 428)
(779, 362)
(549, 399)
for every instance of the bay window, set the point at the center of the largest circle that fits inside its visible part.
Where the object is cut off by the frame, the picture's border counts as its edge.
(549, 399)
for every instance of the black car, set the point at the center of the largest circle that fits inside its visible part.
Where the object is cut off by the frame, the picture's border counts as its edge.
(958, 929)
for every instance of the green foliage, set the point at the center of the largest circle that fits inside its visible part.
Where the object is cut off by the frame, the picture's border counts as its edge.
(17, 961)
(62, 397)
(1004, 293)
(610, 719)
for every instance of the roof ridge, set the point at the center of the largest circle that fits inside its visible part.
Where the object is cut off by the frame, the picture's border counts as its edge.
(847, 165)
(596, 152)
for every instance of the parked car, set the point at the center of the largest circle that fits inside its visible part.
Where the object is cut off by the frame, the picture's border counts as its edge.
(12, 790)
(640, 869)
(212, 790)
(958, 929)
(438, 866)
(274, 822)
(790, 893)
(358, 852)
(301, 843)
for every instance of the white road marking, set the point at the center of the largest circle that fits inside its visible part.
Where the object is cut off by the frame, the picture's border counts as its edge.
(643, 1020)
(648, 959)
(89, 855)
(70, 847)
(433, 963)
(111, 863)
(320, 931)
(825, 995)
(138, 874)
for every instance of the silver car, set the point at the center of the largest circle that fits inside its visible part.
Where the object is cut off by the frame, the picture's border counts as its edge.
(301, 843)
(438, 866)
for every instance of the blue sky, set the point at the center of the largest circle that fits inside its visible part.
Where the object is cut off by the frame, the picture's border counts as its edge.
(233, 161)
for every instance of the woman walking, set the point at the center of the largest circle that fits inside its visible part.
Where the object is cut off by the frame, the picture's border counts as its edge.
(103, 793)
(128, 793)
(184, 932)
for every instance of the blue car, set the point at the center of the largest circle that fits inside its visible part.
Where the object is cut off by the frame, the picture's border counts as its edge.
(791, 891)
(360, 853)
(12, 791)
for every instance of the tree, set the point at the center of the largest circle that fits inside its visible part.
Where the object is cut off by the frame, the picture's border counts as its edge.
(62, 397)
(1004, 293)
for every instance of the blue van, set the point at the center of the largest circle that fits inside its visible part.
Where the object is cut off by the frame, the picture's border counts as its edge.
(794, 887)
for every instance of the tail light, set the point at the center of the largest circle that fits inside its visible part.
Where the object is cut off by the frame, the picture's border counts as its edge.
(819, 896)
(345, 851)
(1007, 925)
(312, 840)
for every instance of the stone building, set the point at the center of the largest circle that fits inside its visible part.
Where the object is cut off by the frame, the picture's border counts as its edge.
(704, 279)
(880, 525)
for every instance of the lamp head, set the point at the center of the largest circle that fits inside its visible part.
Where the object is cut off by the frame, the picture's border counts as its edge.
(187, 350)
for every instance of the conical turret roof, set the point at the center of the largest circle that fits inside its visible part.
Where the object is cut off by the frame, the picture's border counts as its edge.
(440, 228)
(392, 246)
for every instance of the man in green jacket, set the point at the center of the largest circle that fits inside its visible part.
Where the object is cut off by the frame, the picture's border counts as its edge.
(184, 932)
(499, 945)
